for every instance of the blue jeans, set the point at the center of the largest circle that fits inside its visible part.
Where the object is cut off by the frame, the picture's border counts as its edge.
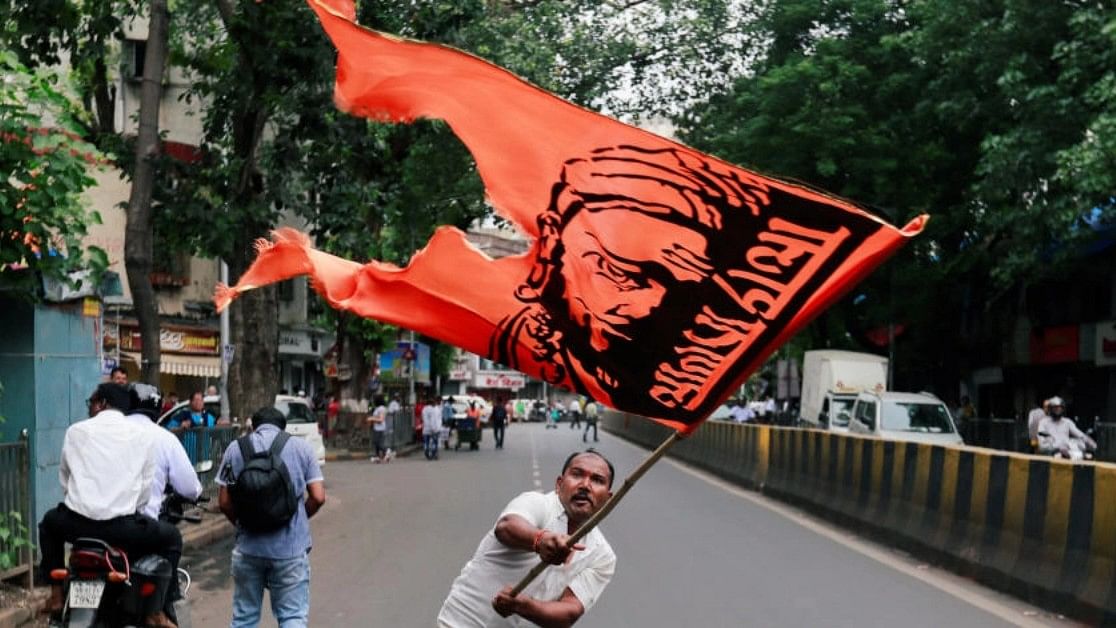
(430, 445)
(288, 580)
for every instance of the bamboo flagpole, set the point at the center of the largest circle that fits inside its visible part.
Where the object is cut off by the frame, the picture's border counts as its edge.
(597, 517)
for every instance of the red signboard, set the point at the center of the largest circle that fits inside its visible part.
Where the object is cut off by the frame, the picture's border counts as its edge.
(1054, 345)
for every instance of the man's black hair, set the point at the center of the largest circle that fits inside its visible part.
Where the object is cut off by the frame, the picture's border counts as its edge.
(115, 396)
(144, 399)
(269, 415)
(116, 369)
(594, 452)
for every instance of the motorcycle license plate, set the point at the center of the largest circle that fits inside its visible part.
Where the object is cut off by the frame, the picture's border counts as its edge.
(86, 593)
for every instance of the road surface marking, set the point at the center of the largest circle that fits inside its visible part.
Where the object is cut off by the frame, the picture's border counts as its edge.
(535, 462)
(984, 603)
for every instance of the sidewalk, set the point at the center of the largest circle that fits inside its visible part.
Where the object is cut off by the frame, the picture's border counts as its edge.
(213, 527)
(333, 455)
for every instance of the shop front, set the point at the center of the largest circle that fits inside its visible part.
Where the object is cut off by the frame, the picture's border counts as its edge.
(301, 368)
(189, 355)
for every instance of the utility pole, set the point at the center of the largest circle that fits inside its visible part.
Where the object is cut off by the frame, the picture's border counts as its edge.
(225, 348)
(411, 372)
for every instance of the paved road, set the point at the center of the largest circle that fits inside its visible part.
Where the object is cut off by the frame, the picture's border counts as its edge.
(692, 551)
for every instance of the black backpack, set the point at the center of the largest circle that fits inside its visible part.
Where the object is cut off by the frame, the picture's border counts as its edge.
(262, 493)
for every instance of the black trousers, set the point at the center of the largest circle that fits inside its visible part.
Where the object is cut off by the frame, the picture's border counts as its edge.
(498, 434)
(138, 535)
(590, 424)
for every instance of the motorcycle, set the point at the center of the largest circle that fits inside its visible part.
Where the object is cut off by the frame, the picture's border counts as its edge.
(1078, 449)
(102, 586)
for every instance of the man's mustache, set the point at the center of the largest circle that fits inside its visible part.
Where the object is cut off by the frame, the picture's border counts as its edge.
(583, 494)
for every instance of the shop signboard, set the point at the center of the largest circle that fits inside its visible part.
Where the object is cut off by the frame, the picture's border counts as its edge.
(183, 340)
(395, 367)
(509, 380)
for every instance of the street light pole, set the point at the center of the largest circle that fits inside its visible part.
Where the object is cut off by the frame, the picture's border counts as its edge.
(225, 363)
(411, 373)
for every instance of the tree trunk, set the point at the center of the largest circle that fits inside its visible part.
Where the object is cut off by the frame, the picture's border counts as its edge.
(352, 355)
(138, 248)
(254, 327)
(103, 94)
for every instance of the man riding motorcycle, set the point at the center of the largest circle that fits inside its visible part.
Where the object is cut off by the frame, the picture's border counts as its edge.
(106, 471)
(1058, 435)
(172, 464)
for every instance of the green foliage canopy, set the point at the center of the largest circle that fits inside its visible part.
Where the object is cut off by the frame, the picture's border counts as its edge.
(42, 218)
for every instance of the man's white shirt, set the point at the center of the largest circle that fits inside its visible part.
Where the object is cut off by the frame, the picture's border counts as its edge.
(1059, 433)
(1033, 420)
(107, 466)
(495, 566)
(172, 466)
(431, 419)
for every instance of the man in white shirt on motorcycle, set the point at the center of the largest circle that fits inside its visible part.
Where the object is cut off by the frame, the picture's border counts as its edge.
(172, 464)
(1059, 435)
(106, 472)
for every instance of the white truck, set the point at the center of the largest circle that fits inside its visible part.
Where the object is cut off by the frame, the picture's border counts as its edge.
(831, 380)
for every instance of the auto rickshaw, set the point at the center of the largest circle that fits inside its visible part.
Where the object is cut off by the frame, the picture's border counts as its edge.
(468, 428)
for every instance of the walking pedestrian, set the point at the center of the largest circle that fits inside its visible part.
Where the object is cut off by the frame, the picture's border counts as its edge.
(431, 428)
(470, 427)
(333, 410)
(271, 553)
(447, 421)
(533, 526)
(575, 413)
(499, 420)
(591, 415)
(378, 421)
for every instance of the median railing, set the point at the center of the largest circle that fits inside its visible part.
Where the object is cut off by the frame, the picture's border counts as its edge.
(1041, 528)
(208, 443)
(351, 431)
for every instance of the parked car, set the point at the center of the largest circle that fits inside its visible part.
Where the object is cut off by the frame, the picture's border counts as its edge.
(212, 405)
(917, 417)
(461, 404)
(301, 421)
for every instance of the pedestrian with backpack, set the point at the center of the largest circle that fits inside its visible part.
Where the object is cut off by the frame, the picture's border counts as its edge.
(270, 486)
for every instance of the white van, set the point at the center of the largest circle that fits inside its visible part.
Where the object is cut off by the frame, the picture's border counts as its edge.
(915, 417)
(302, 423)
(461, 404)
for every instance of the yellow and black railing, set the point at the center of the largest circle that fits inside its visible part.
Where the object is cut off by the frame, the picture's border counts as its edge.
(1040, 528)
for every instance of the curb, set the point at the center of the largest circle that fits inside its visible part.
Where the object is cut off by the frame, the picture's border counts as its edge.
(207, 531)
(335, 455)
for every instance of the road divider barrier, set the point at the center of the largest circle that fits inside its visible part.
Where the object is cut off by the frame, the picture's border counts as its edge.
(1040, 528)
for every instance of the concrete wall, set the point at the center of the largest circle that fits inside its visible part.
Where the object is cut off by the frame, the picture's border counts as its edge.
(48, 366)
(1040, 528)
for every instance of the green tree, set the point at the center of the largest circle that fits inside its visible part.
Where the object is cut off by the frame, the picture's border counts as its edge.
(974, 112)
(42, 219)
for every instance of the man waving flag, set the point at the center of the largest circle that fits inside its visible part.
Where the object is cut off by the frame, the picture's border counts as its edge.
(659, 277)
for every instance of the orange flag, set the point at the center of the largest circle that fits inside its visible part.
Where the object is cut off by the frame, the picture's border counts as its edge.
(659, 277)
